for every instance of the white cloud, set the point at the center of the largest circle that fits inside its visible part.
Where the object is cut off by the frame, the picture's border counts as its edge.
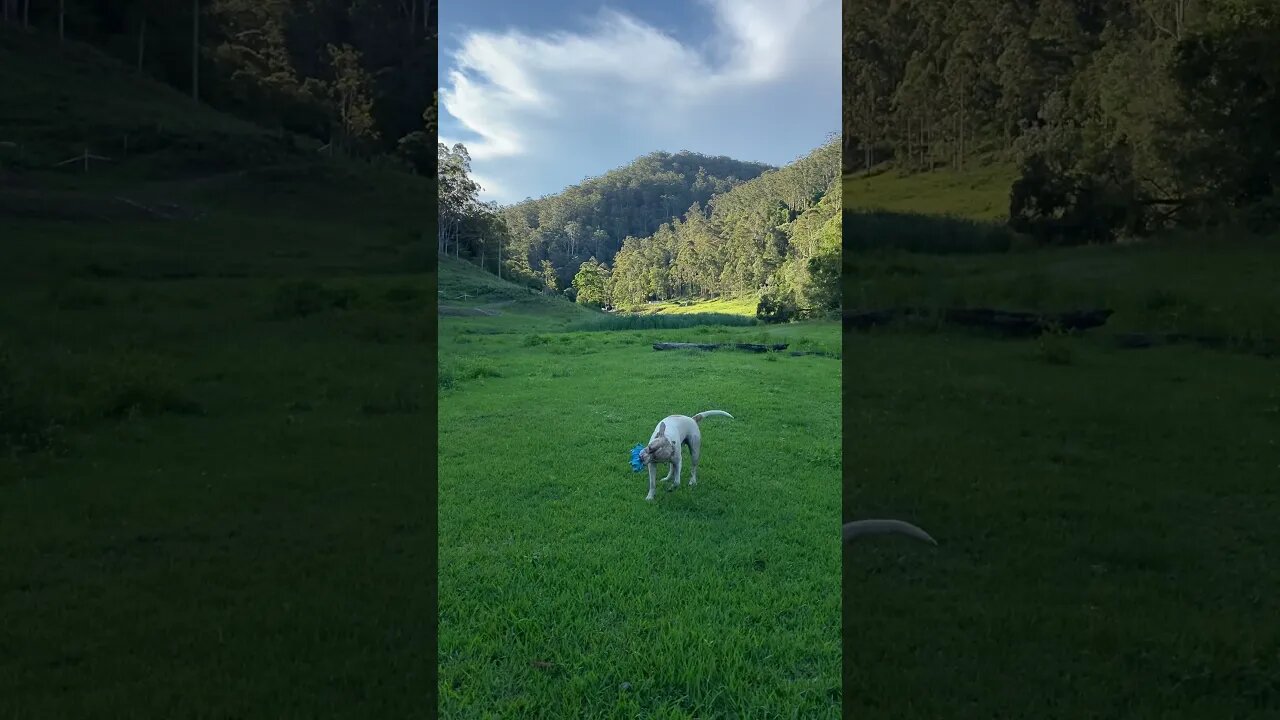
(489, 186)
(521, 99)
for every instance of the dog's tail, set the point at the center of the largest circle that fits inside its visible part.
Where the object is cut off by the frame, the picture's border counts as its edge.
(854, 530)
(706, 413)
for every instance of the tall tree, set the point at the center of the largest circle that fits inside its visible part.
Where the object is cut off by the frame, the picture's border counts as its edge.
(195, 50)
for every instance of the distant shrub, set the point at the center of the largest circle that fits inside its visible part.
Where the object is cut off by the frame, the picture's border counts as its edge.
(776, 309)
(478, 369)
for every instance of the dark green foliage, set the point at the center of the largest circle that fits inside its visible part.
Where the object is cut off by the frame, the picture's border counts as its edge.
(773, 309)
(265, 61)
(1229, 75)
(779, 229)
(1075, 207)
(594, 217)
(763, 233)
(591, 284)
(1125, 118)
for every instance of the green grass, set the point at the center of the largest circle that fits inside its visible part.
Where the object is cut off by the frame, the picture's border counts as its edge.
(61, 100)
(744, 305)
(1215, 286)
(211, 455)
(979, 192)
(677, 314)
(562, 592)
(1104, 527)
(866, 231)
(1103, 515)
(211, 487)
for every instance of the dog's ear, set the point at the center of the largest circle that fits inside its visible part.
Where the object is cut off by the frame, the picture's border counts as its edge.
(662, 428)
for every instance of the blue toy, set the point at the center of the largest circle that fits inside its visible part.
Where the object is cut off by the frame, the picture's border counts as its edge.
(635, 458)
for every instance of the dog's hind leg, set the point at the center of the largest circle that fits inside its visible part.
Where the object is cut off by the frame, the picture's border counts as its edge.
(695, 449)
(671, 470)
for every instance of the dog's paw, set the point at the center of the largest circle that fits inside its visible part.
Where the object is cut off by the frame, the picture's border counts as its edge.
(648, 498)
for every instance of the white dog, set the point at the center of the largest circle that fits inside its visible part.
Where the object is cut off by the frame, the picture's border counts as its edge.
(664, 447)
(856, 529)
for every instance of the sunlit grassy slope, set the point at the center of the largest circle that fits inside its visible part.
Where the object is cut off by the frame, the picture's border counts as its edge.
(980, 192)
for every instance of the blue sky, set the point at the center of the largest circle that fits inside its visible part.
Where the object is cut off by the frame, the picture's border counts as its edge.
(544, 94)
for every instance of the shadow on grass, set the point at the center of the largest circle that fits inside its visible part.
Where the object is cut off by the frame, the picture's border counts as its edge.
(869, 231)
(661, 322)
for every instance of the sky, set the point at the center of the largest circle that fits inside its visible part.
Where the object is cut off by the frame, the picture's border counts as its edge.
(546, 94)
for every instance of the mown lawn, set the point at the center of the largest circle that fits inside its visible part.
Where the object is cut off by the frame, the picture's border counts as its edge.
(563, 593)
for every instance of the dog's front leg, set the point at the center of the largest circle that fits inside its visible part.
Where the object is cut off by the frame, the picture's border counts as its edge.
(675, 470)
(653, 481)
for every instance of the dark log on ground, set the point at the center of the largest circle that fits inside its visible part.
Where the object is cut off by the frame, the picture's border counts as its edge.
(1025, 323)
(1009, 322)
(749, 347)
(863, 319)
(1254, 346)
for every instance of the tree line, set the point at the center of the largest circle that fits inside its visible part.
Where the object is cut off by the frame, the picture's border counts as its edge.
(1124, 116)
(595, 216)
(778, 234)
(354, 75)
(622, 240)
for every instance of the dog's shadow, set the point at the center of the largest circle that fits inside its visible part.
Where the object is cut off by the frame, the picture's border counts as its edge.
(696, 504)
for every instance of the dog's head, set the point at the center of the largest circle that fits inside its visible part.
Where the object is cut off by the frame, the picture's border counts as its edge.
(659, 448)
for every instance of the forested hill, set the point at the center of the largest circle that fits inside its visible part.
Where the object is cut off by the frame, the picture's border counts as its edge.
(353, 77)
(592, 218)
(1124, 116)
(778, 235)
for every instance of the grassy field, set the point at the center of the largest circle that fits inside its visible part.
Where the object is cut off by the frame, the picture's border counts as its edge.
(211, 497)
(744, 305)
(211, 427)
(1221, 287)
(1104, 515)
(563, 593)
(980, 192)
